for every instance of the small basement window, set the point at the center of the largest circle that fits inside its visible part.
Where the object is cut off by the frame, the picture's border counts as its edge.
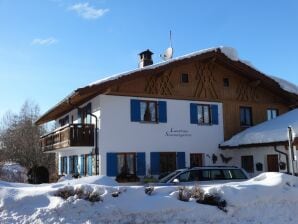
(184, 78)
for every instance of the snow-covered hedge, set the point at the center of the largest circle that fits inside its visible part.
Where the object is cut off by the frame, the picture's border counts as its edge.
(13, 172)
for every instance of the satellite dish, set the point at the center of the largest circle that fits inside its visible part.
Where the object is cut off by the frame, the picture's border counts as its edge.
(168, 53)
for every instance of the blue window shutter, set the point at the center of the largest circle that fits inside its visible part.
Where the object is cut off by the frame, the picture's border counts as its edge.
(60, 168)
(135, 110)
(162, 111)
(90, 165)
(193, 113)
(180, 160)
(82, 165)
(214, 114)
(75, 160)
(155, 162)
(112, 164)
(141, 164)
(68, 165)
(65, 165)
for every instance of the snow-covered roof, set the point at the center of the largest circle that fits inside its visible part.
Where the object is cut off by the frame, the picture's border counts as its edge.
(228, 51)
(271, 131)
(63, 106)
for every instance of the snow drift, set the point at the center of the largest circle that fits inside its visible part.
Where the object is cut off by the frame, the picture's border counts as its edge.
(268, 198)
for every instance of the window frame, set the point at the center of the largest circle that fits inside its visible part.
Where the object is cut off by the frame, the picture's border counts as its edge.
(245, 109)
(226, 82)
(270, 110)
(125, 154)
(203, 114)
(182, 76)
(147, 105)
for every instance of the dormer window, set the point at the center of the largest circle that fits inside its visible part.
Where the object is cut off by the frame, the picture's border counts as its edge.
(184, 78)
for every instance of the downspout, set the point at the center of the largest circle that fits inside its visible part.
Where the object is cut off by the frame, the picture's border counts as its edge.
(96, 135)
(286, 155)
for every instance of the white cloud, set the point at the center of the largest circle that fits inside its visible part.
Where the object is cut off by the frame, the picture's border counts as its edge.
(46, 41)
(87, 12)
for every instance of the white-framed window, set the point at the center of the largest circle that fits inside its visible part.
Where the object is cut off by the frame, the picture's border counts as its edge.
(204, 114)
(271, 113)
(148, 111)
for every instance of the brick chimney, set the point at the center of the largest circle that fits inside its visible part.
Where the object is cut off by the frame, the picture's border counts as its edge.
(145, 58)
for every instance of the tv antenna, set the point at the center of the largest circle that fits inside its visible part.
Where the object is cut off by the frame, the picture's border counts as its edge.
(168, 53)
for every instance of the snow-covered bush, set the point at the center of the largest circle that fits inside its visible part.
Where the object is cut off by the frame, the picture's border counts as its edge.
(197, 192)
(213, 199)
(184, 193)
(86, 192)
(13, 172)
(65, 192)
(149, 190)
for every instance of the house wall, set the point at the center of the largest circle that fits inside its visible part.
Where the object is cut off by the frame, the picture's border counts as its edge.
(206, 83)
(259, 156)
(119, 134)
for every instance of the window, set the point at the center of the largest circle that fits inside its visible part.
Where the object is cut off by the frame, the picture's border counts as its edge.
(271, 114)
(84, 114)
(226, 82)
(148, 111)
(217, 175)
(196, 159)
(167, 162)
(247, 163)
(245, 116)
(63, 165)
(64, 121)
(184, 78)
(234, 174)
(73, 164)
(184, 177)
(204, 114)
(126, 163)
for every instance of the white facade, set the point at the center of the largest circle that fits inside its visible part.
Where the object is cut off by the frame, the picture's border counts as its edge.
(117, 133)
(259, 156)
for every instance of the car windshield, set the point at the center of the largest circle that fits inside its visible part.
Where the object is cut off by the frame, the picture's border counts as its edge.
(169, 176)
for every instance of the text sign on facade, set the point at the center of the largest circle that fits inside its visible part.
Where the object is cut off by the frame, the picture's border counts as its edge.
(178, 133)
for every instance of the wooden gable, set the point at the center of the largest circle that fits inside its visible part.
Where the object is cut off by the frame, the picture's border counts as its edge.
(207, 74)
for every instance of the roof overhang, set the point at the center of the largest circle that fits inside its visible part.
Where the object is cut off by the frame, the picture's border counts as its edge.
(263, 144)
(82, 95)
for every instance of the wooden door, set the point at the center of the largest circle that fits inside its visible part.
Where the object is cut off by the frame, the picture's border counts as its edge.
(196, 159)
(272, 163)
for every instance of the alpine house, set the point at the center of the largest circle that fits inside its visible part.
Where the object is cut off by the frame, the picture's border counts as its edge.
(162, 117)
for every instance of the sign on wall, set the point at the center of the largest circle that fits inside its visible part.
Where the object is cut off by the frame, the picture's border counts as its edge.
(177, 133)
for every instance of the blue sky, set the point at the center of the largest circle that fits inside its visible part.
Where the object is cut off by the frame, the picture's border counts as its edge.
(48, 48)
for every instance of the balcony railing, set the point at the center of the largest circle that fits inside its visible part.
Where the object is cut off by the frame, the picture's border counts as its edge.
(68, 136)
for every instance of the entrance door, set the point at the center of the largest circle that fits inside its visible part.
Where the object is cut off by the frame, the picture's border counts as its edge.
(196, 159)
(272, 163)
(167, 162)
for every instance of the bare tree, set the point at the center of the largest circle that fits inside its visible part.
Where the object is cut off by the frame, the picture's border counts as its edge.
(19, 137)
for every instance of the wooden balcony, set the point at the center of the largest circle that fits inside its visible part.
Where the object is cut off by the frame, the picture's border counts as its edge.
(71, 135)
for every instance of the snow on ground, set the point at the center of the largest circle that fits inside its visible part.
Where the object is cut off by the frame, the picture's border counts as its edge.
(275, 130)
(268, 198)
